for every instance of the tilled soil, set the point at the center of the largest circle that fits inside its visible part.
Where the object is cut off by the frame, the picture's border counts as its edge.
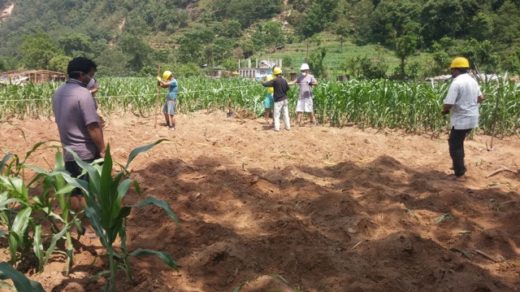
(311, 209)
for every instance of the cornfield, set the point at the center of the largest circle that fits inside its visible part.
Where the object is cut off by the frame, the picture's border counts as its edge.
(412, 106)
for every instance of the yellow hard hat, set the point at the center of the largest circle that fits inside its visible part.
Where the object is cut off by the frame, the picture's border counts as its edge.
(277, 71)
(460, 63)
(166, 75)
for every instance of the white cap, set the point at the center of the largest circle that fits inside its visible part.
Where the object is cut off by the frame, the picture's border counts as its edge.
(304, 66)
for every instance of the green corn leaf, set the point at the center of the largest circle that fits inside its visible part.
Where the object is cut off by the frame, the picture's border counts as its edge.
(6, 202)
(122, 189)
(38, 246)
(105, 195)
(4, 161)
(118, 223)
(137, 187)
(13, 165)
(59, 161)
(141, 149)
(164, 257)
(14, 240)
(69, 251)
(54, 240)
(37, 201)
(21, 282)
(65, 190)
(78, 183)
(94, 177)
(21, 221)
(36, 169)
(34, 148)
(93, 217)
(53, 215)
(15, 186)
(159, 203)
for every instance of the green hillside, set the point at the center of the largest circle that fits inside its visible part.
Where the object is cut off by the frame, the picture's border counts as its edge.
(366, 38)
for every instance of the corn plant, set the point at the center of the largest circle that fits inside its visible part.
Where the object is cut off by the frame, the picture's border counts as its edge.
(20, 281)
(16, 207)
(412, 106)
(104, 194)
(22, 212)
(55, 188)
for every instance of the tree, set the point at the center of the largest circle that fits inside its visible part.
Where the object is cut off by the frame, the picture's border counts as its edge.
(510, 61)
(193, 45)
(342, 31)
(269, 34)
(447, 18)
(390, 20)
(229, 28)
(229, 64)
(300, 5)
(482, 26)
(364, 67)
(406, 45)
(37, 50)
(359, 15)
(246, 11)
(287, 61)
(3, 64)
(441, 57)
(59, 63)
(248, 48)
(481, 55)
(112, 62)
(218, 51)
(507, 24)
(76, 44)
(320, 15)
(188, 70)
(137, 51)
(316, 62)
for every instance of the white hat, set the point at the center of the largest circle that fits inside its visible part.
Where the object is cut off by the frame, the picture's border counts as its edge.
(304, 66)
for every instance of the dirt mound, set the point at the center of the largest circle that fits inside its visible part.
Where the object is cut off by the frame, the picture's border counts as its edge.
(311, 209)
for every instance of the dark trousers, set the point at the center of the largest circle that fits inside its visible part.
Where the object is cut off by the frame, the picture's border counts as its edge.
(75, 171)
(456, 142)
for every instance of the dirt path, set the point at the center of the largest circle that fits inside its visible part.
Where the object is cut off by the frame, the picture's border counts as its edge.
(315, 209)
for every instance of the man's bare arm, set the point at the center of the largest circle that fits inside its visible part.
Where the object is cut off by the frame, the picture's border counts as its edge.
(96, 134)
(481, 98)
(446, 109)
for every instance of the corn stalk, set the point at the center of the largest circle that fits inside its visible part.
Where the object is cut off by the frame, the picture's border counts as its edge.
(104, 194)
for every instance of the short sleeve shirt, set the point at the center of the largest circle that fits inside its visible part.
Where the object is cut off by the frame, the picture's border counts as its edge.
(74, 109)
(280, 88)
(305, 85)
(463, 96)
(172, 90)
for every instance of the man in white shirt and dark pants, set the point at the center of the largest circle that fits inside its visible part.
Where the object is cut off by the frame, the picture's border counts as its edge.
(463, 101)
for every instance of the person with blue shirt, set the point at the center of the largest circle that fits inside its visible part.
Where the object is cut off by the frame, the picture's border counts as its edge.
(169, 81)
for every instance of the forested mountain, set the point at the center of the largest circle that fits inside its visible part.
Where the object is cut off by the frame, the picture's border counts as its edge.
(128, 37)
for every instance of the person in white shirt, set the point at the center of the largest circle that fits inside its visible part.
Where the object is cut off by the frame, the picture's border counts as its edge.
(463, 101)
(305, 99)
